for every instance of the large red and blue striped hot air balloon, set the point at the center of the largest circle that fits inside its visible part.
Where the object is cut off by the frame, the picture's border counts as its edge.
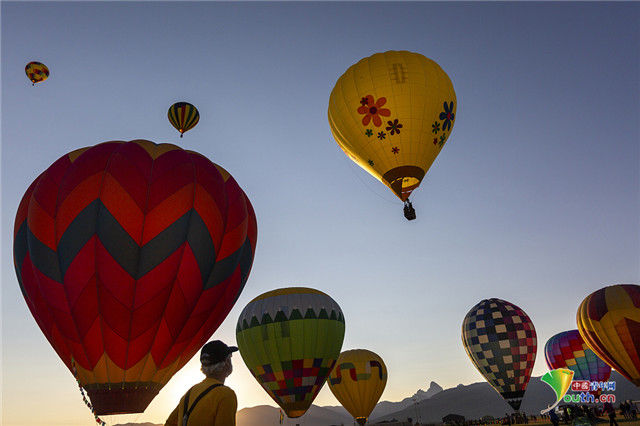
(568, 350)
(129, 256)
(609, 322)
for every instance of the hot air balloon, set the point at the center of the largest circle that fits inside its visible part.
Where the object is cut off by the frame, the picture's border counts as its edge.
(36, 72)
(568, 350)
(609, 322)
(290, 339)
(392, 113)
(357, 381)
(501, 341)
(129, 256)
(183, 116)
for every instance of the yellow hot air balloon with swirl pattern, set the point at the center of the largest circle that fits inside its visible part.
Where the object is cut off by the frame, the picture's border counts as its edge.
(392, 113)
(357, 381)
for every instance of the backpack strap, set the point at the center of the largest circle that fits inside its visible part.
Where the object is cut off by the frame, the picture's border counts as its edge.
(187, 413)
(185, 416)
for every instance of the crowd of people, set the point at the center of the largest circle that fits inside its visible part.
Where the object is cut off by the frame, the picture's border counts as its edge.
(567, 415)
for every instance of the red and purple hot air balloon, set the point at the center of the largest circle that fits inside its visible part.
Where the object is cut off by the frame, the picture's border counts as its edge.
(568, 350)
(129, 256)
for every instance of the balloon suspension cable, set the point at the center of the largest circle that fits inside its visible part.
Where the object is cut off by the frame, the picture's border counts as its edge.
(99, 421)
(356, 174)
(409, 211)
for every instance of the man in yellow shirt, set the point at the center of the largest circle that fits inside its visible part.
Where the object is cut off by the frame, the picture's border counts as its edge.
(209, 403)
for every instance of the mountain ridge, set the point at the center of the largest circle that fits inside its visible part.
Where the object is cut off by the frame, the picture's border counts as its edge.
(472, 401)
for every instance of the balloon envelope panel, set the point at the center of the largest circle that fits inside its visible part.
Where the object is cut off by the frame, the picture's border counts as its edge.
(609, 322)
(501, 341)
(290, 340)
(392, 113)
(129, 256)
(357, 381)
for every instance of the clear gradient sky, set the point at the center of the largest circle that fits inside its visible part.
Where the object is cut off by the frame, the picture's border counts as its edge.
(535, 198)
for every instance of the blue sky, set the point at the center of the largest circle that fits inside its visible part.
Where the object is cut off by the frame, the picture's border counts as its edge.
(535, 199)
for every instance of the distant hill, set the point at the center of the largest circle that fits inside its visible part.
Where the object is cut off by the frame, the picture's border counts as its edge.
(266, 415)
(479, 399)
(472, 401)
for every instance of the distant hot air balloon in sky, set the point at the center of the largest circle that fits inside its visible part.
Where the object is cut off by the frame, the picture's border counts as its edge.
(290, 339)
(36, 72)
(129, 256)
(609, 322)
(392, 113)
(568, 350)
(183, 116)
(501, 341)
(357, 381)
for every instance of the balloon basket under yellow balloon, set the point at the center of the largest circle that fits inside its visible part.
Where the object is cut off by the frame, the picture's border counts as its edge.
(409, 211)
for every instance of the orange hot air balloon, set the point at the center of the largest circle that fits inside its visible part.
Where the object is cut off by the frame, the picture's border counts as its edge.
(129, 256)
(609, 322)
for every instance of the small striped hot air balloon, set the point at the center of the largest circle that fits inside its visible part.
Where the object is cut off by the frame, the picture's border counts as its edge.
(36, 72)
(183, 116)
(609, 322)
(357, 381)
(290, 339)
(129, 256)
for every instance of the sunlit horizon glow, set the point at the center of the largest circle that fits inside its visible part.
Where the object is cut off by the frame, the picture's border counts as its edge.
(534, 199)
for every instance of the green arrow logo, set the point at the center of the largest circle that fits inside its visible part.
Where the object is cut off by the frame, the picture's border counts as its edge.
(560, 381)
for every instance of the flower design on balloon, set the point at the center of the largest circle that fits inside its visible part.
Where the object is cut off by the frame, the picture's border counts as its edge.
(394, 126)
(447, 115)
(372, 110)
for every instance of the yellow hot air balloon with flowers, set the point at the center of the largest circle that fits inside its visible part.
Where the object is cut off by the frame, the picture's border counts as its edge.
(392, 113)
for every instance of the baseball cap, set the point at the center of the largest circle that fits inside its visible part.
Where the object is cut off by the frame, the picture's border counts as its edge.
(215, 352)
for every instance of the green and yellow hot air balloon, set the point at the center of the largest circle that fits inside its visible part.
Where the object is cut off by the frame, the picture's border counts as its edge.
(290, 339)
(183, 116)
(358, 381)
